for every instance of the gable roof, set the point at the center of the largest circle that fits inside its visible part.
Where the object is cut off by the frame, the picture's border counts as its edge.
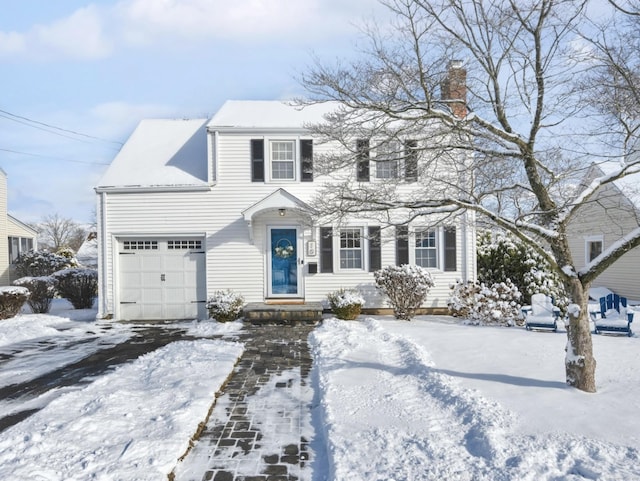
(629, 185)
(161, 152)
(268, 114)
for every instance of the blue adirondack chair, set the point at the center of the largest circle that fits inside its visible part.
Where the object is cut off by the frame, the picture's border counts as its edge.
(541, 314)
(614, 317)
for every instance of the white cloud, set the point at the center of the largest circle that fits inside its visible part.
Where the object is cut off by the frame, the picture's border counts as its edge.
(80, 35)
(147, 20)
(97, 31)
(11, 43)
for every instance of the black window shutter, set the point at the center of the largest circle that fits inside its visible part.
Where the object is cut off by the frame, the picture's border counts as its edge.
(257, 160)
(402, 245)
(375, 259)
(450, 256)
(362, 156)
(411, 160)
(306, 160)
(326, 249)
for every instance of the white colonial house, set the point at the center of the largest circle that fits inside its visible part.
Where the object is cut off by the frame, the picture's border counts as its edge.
(189, 207)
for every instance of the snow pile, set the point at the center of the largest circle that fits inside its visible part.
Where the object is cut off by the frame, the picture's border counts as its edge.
(133, 423)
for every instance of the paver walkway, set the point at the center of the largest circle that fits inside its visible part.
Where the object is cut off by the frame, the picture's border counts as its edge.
(260, 425)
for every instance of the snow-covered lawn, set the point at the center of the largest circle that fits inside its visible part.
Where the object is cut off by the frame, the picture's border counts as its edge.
(429, 399)
(432, 399)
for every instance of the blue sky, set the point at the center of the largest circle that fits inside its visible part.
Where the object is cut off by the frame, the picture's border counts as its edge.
(90, 71)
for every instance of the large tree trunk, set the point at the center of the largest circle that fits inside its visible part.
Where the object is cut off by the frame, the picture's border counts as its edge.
(579, 362)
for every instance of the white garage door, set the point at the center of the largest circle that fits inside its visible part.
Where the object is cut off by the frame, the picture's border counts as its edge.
(162, 278)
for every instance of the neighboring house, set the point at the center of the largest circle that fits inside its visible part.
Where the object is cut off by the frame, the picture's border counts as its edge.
(87, 255)
(18, 237)
(614, 212)
(189, 207)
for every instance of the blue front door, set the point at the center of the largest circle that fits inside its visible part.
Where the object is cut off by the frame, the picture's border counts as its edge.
(284, 262)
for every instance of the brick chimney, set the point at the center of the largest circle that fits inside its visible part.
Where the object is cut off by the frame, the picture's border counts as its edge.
(454, 87)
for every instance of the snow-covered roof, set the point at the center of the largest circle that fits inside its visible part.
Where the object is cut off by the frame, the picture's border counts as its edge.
(268, 114)
(628, 185)
(161, 152)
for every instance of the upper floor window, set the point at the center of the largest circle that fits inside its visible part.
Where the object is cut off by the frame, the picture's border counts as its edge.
(594, 246)
(283, 159)
(351, 248)
(387, 161)
(393, 160)
(277, 160)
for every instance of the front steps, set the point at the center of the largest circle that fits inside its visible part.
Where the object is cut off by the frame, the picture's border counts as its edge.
(262, 313)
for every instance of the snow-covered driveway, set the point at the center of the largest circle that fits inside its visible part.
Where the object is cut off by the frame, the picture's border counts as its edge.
(389, 414)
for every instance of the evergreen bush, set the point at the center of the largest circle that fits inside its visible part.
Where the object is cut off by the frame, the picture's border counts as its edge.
(78, 285)
(40, 263)
(346, 303)
(406, 286)
(12, 298)
(225, 306)
(501, 256)
(41, 292)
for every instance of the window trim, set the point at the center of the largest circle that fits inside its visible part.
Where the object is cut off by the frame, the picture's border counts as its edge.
(587, 246)
(363, 249)
(294, 161)
(438, 245)
(387, 154)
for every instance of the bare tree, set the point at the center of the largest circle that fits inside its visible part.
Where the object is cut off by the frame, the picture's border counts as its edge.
(56, 232)
(507, 133)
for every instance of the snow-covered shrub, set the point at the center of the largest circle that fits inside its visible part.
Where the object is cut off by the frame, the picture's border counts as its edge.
(501, 256)
(40, 263)
(68, 254)
(498, 303)
(41, 291)
(79, 286)
(225, 306)
(406, 286)
(12, 298)
(346, 303)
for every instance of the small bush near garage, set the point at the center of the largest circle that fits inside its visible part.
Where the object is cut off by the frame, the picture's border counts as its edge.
(346, 303)
(79, 286)
(225, 306)
(406, 286)
(497, 304)
(41, 292)
(40, 263)
(12, 298)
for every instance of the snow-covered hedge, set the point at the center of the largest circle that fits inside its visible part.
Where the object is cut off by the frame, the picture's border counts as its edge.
(12, 298)
(225, 306)
(40, 263)
(406, 286)
(501, 256)
(498, 304)
(346, 303)
(79, 286)
(41, 289)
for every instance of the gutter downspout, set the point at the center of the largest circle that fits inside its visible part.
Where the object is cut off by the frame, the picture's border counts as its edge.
(102, 253)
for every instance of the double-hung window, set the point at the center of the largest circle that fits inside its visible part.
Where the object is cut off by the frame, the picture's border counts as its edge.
(283, 159)
(426, 252)
(387, 161)
(351, 248)
(593, 247)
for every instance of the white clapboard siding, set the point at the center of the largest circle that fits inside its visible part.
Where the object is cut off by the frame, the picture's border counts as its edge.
(236, 250)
